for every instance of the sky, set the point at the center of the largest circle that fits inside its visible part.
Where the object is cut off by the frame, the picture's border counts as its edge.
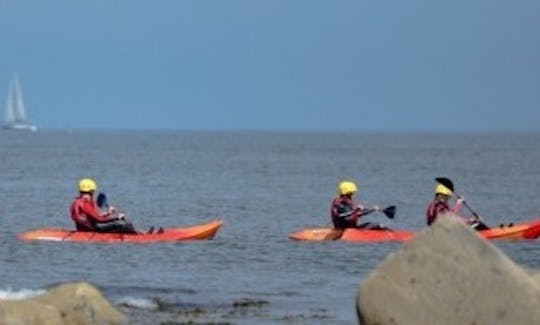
(411, 65)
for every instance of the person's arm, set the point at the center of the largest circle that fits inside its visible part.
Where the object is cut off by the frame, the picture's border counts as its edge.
(459, 203)
(363, 212)
(90, 210)
(455, 209)
(346, 212)
(335, 211)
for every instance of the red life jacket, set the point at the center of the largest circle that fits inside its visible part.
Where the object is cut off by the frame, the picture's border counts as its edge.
(435, 208)
(84, 221)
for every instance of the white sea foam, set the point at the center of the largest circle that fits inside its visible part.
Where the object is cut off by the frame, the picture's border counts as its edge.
(141, 303)
(10, 294)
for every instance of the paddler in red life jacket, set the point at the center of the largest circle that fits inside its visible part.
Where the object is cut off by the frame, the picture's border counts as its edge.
(87, 216)
(441, 205)
(345, 212)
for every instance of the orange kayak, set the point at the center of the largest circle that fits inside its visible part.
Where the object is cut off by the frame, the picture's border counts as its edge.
(526, 230)
(196, 232)
(351, 234)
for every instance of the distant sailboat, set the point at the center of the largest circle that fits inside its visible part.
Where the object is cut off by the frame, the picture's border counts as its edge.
(15, 113)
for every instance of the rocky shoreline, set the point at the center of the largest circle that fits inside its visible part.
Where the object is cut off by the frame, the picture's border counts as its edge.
(70, 303)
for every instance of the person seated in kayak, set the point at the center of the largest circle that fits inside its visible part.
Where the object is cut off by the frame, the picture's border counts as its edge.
(440, 205)
(87, 216)
(345, 212)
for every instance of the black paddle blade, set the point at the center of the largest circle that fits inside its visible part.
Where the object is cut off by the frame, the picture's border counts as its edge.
(390, 211)
(446, 182)
(101, 200)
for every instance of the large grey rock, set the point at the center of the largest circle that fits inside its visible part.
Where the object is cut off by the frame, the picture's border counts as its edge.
(73, 303)
(449, 275)
(536, 277)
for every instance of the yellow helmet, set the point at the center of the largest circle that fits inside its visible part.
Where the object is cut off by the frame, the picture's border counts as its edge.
(87, 185)
(441, 189)
(346, 187)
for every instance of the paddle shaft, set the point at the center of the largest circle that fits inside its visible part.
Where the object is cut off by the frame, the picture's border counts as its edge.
(364, 212)
(471, 210)
(388, 211)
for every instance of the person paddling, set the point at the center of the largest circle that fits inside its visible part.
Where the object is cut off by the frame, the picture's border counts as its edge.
(345, 212)
(441, 205)
(87, 216)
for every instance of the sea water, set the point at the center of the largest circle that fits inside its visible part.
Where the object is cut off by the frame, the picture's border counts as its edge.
(264, 185)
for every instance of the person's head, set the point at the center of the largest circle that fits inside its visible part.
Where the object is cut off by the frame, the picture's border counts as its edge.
(347, 188)
(442, 192)
(87, 186)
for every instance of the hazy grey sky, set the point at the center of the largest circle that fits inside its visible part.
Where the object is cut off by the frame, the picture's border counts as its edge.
(296, 64)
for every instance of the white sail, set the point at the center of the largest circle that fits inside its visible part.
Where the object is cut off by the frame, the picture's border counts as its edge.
(18, 108)
(10, 117)
(15, 113)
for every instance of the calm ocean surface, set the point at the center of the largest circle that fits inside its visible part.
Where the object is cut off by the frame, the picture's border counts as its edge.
(264, 185)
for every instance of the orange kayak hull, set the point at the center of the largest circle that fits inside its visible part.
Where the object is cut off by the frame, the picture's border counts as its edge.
(526, 230)
(522, 231)
(352, 235)
(197, 232)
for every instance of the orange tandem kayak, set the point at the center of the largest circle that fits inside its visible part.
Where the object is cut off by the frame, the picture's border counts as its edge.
(526, 230)
(196, 232)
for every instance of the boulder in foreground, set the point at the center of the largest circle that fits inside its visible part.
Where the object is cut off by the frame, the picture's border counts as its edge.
(72, 303)
(449, 275)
